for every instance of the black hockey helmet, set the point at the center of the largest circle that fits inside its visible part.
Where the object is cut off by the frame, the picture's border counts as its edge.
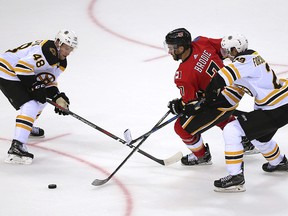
(179, 37)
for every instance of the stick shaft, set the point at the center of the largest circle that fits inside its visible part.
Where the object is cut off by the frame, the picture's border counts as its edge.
(98, 182)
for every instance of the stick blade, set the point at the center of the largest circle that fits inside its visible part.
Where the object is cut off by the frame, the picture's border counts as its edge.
(99, 182)
(173, 159)
(127, 136)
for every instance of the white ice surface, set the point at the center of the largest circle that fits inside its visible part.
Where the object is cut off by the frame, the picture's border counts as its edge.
(120, 78)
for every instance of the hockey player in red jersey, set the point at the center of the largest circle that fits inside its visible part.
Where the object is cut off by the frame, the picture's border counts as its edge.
(201, 59)
(28, 75)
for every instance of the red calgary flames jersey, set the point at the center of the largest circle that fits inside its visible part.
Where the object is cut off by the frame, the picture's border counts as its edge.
(195, 73)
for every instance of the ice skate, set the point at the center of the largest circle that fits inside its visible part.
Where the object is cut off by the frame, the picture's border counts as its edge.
(230, 184)
(17, 154)
(249, 148)
(282, 166)
(192, 160)
(37, 132)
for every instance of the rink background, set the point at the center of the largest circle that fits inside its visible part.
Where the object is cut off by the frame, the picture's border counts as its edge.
(120, 78)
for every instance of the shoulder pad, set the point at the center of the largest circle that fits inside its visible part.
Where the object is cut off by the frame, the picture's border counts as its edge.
(50, 52)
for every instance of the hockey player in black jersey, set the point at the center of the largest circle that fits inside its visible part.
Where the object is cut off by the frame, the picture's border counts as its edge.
(252, 73)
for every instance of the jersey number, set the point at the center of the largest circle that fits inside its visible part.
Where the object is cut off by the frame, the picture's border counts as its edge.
(37, 57)
(212, 69)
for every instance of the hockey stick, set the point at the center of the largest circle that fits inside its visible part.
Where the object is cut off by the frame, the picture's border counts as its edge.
(164, 162)
(98, 182)
(154, 129)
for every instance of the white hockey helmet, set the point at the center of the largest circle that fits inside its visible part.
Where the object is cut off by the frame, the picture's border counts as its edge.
(67, 37)
(238, 41)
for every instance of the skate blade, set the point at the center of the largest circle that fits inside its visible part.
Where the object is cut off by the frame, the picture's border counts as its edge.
(232, 189)
(252, 152)
(15, 159)
(196, 165)
(36, 137)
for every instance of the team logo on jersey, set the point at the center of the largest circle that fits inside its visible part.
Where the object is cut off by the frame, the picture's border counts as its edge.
(195, 56)
(46, 78)
(178, 75)
(53, 51)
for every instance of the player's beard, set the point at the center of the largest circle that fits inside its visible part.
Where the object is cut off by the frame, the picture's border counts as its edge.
(176, 57)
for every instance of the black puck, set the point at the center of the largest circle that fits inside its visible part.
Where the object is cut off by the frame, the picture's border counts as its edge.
(52, 186)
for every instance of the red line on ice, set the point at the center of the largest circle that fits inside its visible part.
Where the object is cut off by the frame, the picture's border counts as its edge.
(127, 195)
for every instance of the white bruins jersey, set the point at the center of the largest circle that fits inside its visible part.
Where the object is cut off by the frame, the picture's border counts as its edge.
(253, 74)
(39, 58)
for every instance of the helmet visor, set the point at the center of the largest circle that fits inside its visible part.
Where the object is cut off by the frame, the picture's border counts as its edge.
(170, 48)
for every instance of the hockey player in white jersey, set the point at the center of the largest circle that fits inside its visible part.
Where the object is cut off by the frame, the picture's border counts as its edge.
(28, 75)
(252, 73)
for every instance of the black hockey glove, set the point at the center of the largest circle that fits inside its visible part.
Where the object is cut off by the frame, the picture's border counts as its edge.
(175, 106)
(62, 100)
(38, 92)
(214, 88)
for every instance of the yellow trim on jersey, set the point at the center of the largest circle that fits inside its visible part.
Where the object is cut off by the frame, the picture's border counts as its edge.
(227, 74)
(235, 70)
(43, 42)
(6, 63)
(204, 126)
(27, 68)
(267, 97)
(279, 95)
(3, 69)
(224, 109)
(230, 72)
(26, 64)
(188, 121)
(237, 89)
(280, 98)
(8, 72)
(231, 96)
(62, 68)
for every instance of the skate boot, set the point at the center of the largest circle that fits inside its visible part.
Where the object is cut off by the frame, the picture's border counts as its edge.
(230, 183)
(282, 166)
(18, 154)
(249, 148)
(191, 159)
(36, 132)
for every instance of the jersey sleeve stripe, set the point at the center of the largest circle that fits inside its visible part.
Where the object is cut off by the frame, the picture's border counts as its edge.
(232, 96)
(6, 67)
(23, 67)
(226, 75)
(274, 97)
